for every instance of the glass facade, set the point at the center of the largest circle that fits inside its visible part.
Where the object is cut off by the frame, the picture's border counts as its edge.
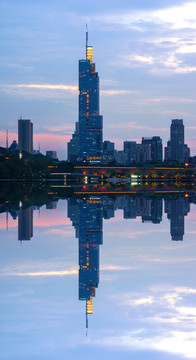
(25, 135)
(177, 140)
(90, 122)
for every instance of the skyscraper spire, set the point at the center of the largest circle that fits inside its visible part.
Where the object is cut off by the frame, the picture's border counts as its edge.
(86, 38)
(86, 323)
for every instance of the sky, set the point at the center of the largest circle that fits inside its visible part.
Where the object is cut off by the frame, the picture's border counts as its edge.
(145, 54)
(144, 306)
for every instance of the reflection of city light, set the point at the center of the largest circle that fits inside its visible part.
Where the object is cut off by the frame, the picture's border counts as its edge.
(20, 204)
(134, 176)
(20, 155)
(186, 195)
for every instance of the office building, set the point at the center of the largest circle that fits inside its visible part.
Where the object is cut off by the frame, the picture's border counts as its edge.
(25, 135)
(25, 223)
(108, 152)
(143, 153)
(186, 153)
(52, 154)
(127, 155)
(155, 144)
(168, 151)
(176, 210)
(90, 122)
(176, 149)
(177, 140)
(13, 146)
(73, 146)
(121, 157)
(130, 149)
(89, 141)
(86, 215)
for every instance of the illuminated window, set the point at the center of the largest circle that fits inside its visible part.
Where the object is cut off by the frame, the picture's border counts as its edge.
(89, 53)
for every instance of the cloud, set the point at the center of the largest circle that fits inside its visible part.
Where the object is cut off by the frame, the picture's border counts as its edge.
(49, 273)
(40, 91)
(134, 125)
(116, 92)
(175, 342)
(163, 321)
(175, 17)
(115, 268)
(48, 90)
(150, 50)
(47, 87)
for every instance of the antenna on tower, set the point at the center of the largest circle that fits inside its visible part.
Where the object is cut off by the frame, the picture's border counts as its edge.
(6, 220)
(6, 139)
(86, 324)
(86, 38)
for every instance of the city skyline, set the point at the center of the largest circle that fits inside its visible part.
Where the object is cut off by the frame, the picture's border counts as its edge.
(135, 45)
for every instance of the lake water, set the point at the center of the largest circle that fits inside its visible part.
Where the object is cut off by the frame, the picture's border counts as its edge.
(96, 276)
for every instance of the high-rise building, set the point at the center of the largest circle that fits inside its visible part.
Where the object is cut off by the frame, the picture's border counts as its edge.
(90, 124)
(108, 152)
(176, 149)
(25, 135)
(130, 148)
(155, 144)
(86, 215)
(186, 152)
(127, 155)
(25, 223)
(177, 140)
(73, 146)
(52, 154)
(143, 153)
(168, 151)
(176, 210)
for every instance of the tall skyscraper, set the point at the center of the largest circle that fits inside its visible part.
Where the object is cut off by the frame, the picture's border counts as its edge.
(155, 144)
(108, 152)
(90, 124)
(176, 149)
(25, 135)
(86, 215)
(177, 140)
(176, 210)
(25, 223)
(73, 146)
(130, 148)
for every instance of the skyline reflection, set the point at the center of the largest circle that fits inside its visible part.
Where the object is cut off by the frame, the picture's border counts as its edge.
(87, 213)
(104, 207)
(140, 276)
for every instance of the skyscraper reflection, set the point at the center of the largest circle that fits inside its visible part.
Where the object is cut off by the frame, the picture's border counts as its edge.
(87, 217)
(87, 213)
(176, 211)
(25, 223)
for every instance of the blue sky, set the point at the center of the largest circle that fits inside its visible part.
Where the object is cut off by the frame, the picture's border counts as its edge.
(145, 53)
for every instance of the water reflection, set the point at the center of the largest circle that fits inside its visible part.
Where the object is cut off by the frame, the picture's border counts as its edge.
(145, 290)
(25, 223)
(87, 213)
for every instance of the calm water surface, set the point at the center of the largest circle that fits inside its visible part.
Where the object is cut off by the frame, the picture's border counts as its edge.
(94, 277)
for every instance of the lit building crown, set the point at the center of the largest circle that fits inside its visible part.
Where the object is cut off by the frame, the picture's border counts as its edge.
(89, 54)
